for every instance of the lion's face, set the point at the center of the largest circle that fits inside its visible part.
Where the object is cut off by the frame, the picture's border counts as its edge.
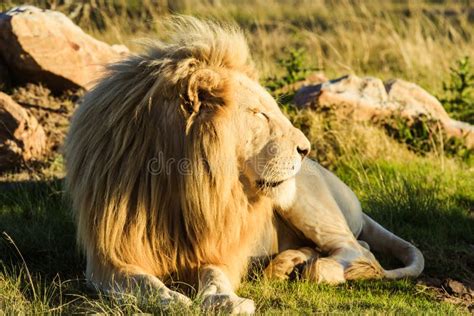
(270, 148)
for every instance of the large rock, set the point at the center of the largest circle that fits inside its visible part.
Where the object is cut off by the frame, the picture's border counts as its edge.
(45, 46)
(369, 99)
(22, 139)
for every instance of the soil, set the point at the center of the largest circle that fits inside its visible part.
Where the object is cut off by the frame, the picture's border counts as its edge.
(450, 290)
(52, 112)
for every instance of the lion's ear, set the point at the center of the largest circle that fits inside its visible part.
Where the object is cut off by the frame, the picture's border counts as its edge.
(206, 88)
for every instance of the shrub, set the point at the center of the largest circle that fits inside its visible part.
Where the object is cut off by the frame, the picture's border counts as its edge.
(458, 97)
(295, 65)
(424, 135)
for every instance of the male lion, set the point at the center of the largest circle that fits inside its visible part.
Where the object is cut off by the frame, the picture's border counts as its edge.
(175, 163)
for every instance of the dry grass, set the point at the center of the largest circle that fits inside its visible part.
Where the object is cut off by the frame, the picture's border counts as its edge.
(415, 40)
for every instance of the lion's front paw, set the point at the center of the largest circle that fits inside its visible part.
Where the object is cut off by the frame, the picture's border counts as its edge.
(228, 303)
(285, 263)
(169, 298)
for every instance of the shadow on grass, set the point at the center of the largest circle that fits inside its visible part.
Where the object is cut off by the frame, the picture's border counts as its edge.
(38, 219)
(435, 215)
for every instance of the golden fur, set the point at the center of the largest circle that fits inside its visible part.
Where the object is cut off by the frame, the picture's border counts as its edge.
(131, 221)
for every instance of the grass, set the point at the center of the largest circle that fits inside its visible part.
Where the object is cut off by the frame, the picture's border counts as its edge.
(355, 297)
(427, 199)
(428, 202)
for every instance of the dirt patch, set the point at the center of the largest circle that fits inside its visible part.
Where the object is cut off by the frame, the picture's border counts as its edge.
(450, 290)
(52, 112)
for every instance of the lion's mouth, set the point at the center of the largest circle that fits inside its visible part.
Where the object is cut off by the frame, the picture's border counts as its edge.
(268, 184)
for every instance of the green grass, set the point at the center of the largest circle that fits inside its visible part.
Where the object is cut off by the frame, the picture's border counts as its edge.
(421, 201)
(354, 297)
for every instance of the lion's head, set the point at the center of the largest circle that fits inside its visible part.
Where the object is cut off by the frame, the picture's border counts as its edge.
(172, 150)
(270, 148)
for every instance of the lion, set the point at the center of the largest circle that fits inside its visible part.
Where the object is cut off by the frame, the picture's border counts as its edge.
(181, 168)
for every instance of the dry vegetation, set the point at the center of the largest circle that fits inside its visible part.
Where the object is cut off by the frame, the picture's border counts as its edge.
(426, 198)
(415, 40)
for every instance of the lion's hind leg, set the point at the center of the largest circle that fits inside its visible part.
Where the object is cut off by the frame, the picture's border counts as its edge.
(342, 265)
(284, 263)
(324, 270)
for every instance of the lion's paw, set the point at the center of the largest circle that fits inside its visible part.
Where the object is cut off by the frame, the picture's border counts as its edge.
(285, 263)
(228, 303)
(325, 270)
(364, 268)
(170, 298)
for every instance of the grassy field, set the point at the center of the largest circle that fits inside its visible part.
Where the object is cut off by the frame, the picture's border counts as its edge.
(427, 198)
(427, 201)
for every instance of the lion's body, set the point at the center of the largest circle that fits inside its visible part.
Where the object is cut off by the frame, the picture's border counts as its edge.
(327, 213)
(174, 163)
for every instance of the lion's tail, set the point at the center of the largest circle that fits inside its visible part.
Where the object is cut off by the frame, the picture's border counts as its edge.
(381, 240)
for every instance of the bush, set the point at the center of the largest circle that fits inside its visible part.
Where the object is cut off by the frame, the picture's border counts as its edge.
(295, 65)
(424, 135)
(458, 97)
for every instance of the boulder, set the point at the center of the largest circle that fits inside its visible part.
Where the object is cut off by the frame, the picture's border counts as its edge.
(22, 138)
(369, 99)
(362, 98)
(312, 79)
(44, 46)
(414, 101)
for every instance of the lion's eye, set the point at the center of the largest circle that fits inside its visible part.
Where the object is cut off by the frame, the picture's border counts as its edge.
(263, 115)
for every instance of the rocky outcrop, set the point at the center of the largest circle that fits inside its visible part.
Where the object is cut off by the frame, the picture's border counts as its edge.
(47, 47)
(369, 99)
(22, 139)
(312, 79)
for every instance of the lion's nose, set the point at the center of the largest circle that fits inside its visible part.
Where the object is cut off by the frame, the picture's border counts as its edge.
(302, 151)
(303, 145)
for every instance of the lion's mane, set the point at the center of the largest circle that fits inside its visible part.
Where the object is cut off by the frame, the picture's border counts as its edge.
(165, 221)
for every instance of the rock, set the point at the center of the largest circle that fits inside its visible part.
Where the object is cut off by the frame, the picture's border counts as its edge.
(21, 136)
(414, 101)
(47, 47)
(369, 99)
(312, 79)
(361, 98)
